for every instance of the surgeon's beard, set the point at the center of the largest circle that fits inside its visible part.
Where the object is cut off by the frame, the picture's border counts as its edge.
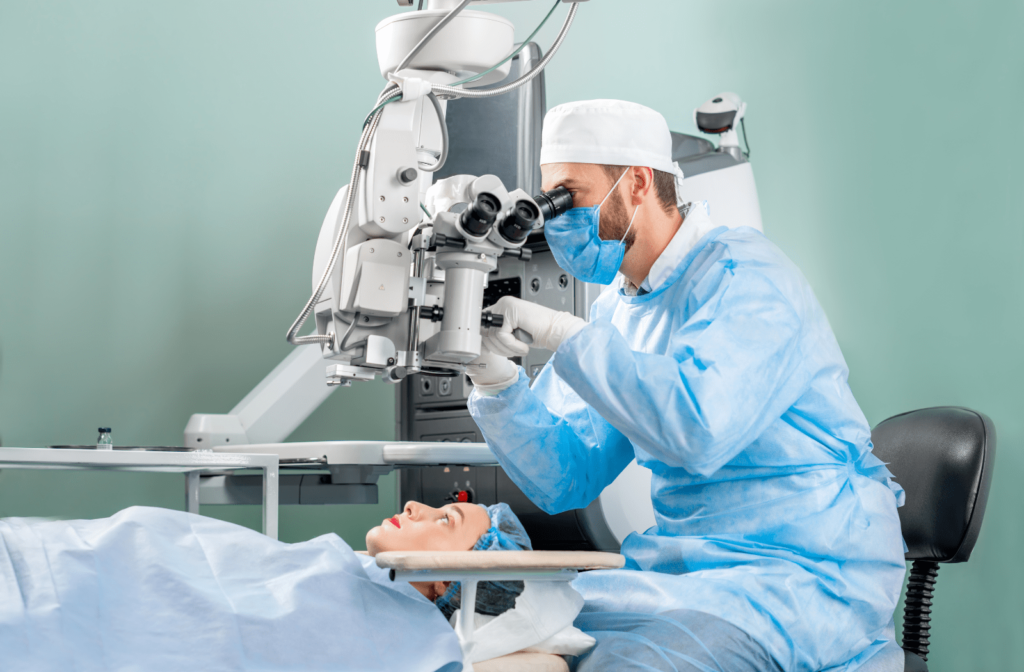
(615, 220)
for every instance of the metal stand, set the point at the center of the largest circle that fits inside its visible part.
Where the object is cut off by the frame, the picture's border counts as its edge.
(191, 463)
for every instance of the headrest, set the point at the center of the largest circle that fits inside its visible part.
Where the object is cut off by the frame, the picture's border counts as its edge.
(943, 458)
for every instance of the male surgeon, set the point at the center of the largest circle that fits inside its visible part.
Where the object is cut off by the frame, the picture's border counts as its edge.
(777, 544)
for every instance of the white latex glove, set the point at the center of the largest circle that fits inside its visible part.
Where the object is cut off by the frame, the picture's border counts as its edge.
(547, 327)
(492, 373)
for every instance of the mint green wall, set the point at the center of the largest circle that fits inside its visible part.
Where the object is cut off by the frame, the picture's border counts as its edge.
(164, 168)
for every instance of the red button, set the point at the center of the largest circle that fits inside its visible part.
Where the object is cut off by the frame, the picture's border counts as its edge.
(463, 496)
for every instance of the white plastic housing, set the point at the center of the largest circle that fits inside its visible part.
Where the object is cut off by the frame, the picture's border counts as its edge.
(376, 278)
(727, 102)
(471, 43)
(626, 503)
(731, 195)
(392, 206)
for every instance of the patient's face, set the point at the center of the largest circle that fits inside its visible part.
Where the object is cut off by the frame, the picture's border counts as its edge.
(455, 527)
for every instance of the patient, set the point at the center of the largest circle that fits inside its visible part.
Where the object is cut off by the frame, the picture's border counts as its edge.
(456, 527)
(156, 589)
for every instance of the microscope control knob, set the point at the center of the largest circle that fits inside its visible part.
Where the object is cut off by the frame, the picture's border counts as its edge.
(407, 175)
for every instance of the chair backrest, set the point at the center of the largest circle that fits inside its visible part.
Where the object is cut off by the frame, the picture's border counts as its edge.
(943, 458)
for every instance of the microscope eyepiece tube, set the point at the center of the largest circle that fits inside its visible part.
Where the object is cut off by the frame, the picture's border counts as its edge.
(517, 226)
(554, 203)
(478, 218)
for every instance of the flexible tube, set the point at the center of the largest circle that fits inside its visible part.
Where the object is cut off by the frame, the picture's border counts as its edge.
(453, 92)
(444, 135)
(340, 243)
(348, 332)
(515, 53)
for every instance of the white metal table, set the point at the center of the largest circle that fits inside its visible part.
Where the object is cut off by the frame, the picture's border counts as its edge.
(191, 463)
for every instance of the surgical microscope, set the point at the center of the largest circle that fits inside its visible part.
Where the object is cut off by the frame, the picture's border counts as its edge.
(406, 264)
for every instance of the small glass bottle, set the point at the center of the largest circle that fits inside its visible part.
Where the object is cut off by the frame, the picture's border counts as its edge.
(104, 442)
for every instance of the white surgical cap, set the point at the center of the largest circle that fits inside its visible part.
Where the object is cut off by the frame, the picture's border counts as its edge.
(610, 133)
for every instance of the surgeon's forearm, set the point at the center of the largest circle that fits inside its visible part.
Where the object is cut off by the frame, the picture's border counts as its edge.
(540, 451)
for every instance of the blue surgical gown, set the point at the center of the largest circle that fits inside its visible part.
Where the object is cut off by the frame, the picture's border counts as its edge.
(727, 382)
(152, 589)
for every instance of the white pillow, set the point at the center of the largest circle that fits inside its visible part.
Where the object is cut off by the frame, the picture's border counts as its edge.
(543, 616)
(569, 642)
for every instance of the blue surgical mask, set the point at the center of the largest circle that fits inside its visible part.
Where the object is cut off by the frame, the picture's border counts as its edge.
(577, 246)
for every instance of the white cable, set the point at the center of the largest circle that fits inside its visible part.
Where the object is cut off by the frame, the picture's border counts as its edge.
(454, 92)
(340, 243)
(444, 136)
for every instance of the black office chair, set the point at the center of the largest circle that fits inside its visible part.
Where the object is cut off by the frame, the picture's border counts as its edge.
(943, 458)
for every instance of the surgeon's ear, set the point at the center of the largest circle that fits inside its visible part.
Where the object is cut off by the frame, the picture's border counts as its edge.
(643, 181)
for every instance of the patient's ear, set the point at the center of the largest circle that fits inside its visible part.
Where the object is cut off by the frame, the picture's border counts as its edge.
(431, 589)
(439, 588)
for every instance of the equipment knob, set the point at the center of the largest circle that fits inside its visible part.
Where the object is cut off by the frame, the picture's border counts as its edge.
(488, 320)
(407, 175)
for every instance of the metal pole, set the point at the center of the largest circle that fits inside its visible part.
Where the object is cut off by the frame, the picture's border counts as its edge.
(414, 318)
(468, 612)
(270, 499)
(192, 491)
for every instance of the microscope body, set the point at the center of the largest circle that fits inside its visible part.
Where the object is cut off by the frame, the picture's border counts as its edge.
(407, 295)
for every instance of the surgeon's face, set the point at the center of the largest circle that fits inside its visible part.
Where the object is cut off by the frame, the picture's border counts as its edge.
(455, 527)
(589, 184)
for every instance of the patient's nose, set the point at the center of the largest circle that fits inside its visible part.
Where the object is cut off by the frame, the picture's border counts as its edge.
(417, 511)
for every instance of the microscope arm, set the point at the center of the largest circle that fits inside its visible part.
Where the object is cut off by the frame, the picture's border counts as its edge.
(272, 410)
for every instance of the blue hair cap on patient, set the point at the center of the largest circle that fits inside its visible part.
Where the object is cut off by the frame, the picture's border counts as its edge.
(492, 597)
(506, 532)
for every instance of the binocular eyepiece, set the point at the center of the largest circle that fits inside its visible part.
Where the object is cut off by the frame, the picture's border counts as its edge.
(554, 203)
(482, 214)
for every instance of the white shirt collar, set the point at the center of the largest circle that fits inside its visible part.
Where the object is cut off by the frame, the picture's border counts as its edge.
(696, 223)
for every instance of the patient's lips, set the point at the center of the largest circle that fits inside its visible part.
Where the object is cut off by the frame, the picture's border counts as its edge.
(395, 521)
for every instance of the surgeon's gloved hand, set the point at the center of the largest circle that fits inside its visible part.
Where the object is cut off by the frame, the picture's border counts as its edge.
(492, 373)
(547, 327)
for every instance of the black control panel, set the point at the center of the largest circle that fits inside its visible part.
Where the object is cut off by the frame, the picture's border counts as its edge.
(503, 287)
